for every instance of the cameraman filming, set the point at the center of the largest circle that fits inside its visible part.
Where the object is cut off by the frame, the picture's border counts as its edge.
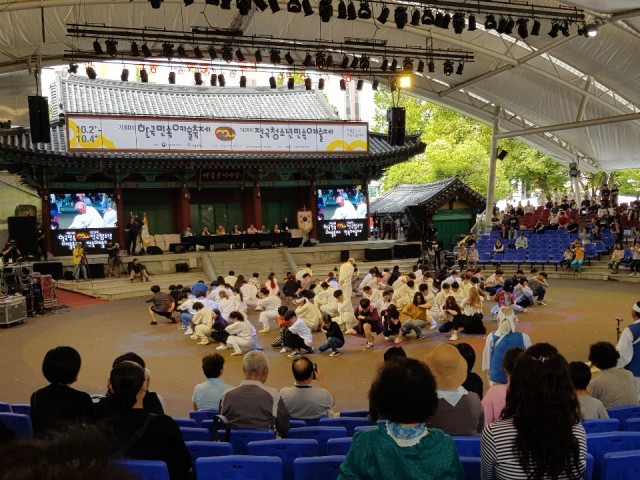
(11, 252)
(135, 268)
(113, 250)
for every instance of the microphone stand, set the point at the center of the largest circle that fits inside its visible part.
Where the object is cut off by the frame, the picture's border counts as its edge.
(85, 261)
(618, 331)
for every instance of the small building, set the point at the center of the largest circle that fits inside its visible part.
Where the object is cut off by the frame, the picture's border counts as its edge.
(450, 204)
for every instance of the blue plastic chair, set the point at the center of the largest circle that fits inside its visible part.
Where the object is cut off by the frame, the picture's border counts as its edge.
(368, 427)
(147, 469)
(350, 423)
(240, 437)
(339, 446)
(297, 423)
(5, 407)
(599, 444)
(190, 434)
(317, 468)
(200, 415)
(186, 422)
(355, 413)
(20, 424)
(287, 450)
(471, 467)
(601, 425)
(624, 413)
(310, 422)
(239, 467)
(621, 465)
(321, 434)
(588, 475)
(467, 446)
(631, 425)
(199, 449)
(21, 408)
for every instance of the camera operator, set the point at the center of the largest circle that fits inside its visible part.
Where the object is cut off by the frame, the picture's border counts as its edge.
(11, 252)
(80, 261)
(113, 250)
(135, 268)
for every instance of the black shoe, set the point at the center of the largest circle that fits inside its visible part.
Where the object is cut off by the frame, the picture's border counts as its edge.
(153, 323)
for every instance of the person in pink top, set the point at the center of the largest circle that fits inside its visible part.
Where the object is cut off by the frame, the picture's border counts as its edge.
(496, 397)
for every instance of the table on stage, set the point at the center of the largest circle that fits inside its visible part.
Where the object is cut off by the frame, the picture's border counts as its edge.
(246, 240)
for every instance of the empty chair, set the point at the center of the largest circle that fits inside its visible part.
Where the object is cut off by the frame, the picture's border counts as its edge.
(190, 434)
(5, 407)
(485, 257)
(355, 413)
(147, 469)
(556, 258)
(339, 446)
(467, 446)
(621, 465)
(239, 467)
(599, 444)
(310, 422)
(240, 437)
(623, 413)
(350, 423)
(297, 423)
(321, 434)
(200, 415)
(287, 450)
(18, 423)
(601, 425)
(471, 467)
(198, 449)
(631, 425)
(317, 468)
(21, 408)
(186, 422)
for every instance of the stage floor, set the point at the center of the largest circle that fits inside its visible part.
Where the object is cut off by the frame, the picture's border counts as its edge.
(579, 313)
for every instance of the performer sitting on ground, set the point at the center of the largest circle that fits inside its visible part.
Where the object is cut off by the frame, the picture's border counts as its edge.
(137, 268)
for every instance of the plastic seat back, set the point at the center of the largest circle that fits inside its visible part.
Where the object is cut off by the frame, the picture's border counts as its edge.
(240, 437)
(146, 469)
(623, 413)
(239, 467)
(190, 434)
(339, 446)
(21, 408)
(321, 434)
(621, 465)
(471, 467)
(467, 446)
(199, 449)
(601, 425)
(350, 423)
(200, 415)
(20, 424)
(317, 468)
(287, 450)
(599, 444)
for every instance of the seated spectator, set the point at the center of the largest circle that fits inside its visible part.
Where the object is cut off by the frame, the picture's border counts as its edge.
(137, 268)
(206, 395)
(57, 405)
(459, 412)
(404, 392)
(163, 305)
(522, 242)
(498, 247)
(617, 255)
(590, 408)
(540, 430)
(137, 433)
(615, 386)
(473, 382)
(252, 404)
(494, 401)
(303, 400)
(299, 335)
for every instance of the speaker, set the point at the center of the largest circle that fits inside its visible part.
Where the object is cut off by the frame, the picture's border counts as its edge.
(221, 247)
(96, 270)
(396, 117)
(49, 268)
(23, 231)
(265, 244)
(573, 170)
(154, 250)
(344, 255)
(502, 154)
(293, 242)
(68, 275)
(39, 119)
(182, 267)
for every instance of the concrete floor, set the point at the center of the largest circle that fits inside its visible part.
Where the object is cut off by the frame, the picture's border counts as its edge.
(579, 313)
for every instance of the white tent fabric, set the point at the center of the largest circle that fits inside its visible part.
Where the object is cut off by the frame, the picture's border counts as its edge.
(575, 79)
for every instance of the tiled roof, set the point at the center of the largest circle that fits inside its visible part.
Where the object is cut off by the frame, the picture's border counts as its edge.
(77, 94)
(436, 193)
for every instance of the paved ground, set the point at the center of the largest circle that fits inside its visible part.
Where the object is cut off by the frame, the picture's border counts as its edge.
(579, 313)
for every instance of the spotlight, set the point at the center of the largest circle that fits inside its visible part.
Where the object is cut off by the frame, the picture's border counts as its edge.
(400, 17)
(509, 27)
(351, 11)
(307, 83)
(431, 66)
(243, 81)
(502, 25)
(535, 29)
(215, 3)
(221, 80)
(240, 56)
(359, 85)
(198, 53)
(172, 78)
(446, 20)
(415, 18)
(212, 53)
(225, 4)
(182, 53)
(307, 60)
(290, 83)
(272, 82)
(393, 85)
(365, 64)
(342, 10)
(460, 68)
(261, 4)
(384, 15)
(146, 51)
(227, 54)
(307, 8)
(213, 81)
(167, 50)
(523, 31)
(124, 76)
(321, 84)
(420, 68)
(325, 10)
(427, 17)
(290, 60)
(354, 62)
(404, 81)
(565, 28)
(555, 28)
(407, 65)
(321, 61)
(458, 22)
(345, 62)
(73, 67)
(364, 11)
(294, 6)
(490, 22)
(155, 3)
(144, 76)
(188, 2)
(135, 51)
(91, 73)
(258, 56)
(343, 84)
(394, 65)
(438, 20)
(274, 56)
(374, 84)
(273, 5)
(197, 78)
(97, 48)
(472, 23)
(243, 6)
(448, 67)
(329, 61)
(385, 65)
(590, 30)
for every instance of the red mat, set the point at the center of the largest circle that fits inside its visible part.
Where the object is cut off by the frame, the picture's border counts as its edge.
(72, 299)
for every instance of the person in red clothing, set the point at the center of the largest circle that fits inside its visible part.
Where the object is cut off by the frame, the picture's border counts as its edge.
(369, 322)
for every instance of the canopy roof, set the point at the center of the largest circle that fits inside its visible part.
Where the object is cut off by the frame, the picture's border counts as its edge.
(538, 82)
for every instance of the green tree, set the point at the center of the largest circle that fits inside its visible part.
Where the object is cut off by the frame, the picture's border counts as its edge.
(628, 181)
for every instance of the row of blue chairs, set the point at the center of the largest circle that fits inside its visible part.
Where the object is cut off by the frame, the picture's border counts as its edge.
(201, 415)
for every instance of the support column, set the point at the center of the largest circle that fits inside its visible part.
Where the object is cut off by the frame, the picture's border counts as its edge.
(46, 218)
(256, 196)
(365, 190)
(492, 166)
(122, 218)
(184, 210)
(313, 206)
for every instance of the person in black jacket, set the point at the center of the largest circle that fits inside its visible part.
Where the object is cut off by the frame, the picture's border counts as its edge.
(335, 338)
(57, 405)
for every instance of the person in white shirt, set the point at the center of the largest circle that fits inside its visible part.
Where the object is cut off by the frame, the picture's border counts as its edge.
(528, 208)
(249, 294)
(345, 278)
(87, 217)
(309, 313)
(242, 335)
(202, 323)
(344, 210)
(403, 295)
(374, 296)
(110, 216)
(522, 242)
(269, 305)
(323, 295)
(299, 335)
(231, 279)
(629, 345)
(345, 316)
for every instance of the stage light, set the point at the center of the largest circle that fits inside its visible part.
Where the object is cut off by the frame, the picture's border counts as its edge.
(321, 61)
(291, 83)
(502, 25)
(394, 65)
(240, 56)
(351, 11)
(325, 10)
(359, 84)
(354, 62)
(385, 65)
(458, 22)
(420, 68)
(329, 61)
(427, 17)
(215, 3)
(243, 6)
(124, 76)
(446, 20)
(374, 84)
(188, 2)
(307, 83)
(343, 84)
(472, 23)
(243, 81)
(345, 62)
(407, 65)
(448, 67)
(415, 18)
(212, 53)
(460, 68)
(274, 56)
(555, 28)
(272, 82)
(227, 54)
(73, 67)
(307, 60)
(273, 5)
(307, 8)
(590, 30)
(364, 11)
(535, 29)
(393, 85)
(135, 51)
(97, 48)
(431, 66)
(438, 20)
(213, 81)
(261, 4)
(167, 50)
(365, 63)
(146, 51)
(225, 5)
(172, 78)
(289, 58)
(565, 28)
(404, 81)
(182, 53)
(342, 10)
(384, 15)
(144, 76)
(523, 31)
(197, 78)
(294, 6)
(490, 22)
(258, 56)
(198, 53)
(91, 73)
(155, 3)
(508, 29)
(400, 17)
(321, 84)
(221, 80)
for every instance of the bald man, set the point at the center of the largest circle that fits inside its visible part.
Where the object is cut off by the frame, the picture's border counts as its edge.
(87, 217)
(344, 210)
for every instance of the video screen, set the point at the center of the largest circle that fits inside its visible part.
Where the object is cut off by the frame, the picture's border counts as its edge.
(78, 211)
(342, 203)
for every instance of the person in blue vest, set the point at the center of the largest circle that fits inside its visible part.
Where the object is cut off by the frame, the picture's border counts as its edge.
(629, 345)
(500, 342)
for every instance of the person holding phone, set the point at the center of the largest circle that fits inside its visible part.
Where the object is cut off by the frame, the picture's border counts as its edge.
(304, 400)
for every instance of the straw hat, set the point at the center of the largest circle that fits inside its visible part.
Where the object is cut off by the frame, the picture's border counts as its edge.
(447, 365)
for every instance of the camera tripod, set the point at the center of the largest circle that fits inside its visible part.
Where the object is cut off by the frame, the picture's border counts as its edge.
(116, 267)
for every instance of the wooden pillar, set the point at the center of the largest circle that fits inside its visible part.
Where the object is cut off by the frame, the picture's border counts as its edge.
(184, 209)
(122, 218)
(46, 218)
(313, 206)
(256, 196)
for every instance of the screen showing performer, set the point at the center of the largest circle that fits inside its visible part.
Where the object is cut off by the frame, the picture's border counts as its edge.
(342, 203)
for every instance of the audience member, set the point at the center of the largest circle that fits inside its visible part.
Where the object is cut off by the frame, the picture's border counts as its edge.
(629, 347)
(615, 386)
(206, 395)
(303, 400)
(494, 401)
(473, 382)
(590, 408)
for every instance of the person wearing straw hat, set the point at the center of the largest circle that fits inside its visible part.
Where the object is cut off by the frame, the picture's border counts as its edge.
(629, 345)
(459, 412)
(501, 341)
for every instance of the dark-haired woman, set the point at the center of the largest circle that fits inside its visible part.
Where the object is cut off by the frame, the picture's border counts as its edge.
(137, 433)
(453, 317)
(541, 434)
(404, 393)
(416, 314)
(615, 386)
